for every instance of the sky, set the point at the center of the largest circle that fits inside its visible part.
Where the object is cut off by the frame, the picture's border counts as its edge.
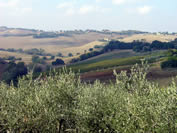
(116, 15)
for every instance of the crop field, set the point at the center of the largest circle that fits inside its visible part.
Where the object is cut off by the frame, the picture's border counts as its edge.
(117, 54)
(149, 38)
(101, 67)
(116, 58)
(106, 64)
(76, 43)
(155, 74)
(73, 44)
(81, 49)
(25, 58)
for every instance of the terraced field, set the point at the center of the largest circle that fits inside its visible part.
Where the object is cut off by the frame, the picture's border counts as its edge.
(107, 64)
(115, 59)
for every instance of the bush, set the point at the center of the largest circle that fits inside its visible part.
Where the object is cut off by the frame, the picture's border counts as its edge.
(60, 54)
(13, 71)
(37, 60)
(44, 58)
(90, 49)
(61, 102)
(52, 57)
(171, 62)
(12, 58)
(58, 62)
(70, 54)
(37, 69)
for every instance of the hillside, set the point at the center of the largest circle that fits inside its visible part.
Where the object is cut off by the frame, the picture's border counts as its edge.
(101, 67)
(65, 42)
(115, 58)
(150, 37)
(5, 31)
(79, 42)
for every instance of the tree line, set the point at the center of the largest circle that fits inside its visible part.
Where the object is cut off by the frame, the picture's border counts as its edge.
(33, 51)
(137, 46)
(171, 61)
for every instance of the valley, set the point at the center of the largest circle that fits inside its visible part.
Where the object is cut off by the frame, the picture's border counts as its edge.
(70, 45)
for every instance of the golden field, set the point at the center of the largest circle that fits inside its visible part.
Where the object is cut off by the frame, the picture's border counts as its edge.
(76, 43)
(150, 38)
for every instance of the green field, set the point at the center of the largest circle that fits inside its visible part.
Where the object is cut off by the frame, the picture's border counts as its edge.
(107, 64)
(115, 59)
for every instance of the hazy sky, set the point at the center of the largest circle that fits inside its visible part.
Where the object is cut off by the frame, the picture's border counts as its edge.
(146, 15)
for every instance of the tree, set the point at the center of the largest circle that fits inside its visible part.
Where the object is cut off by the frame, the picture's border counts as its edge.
(52, 57)
(58, 62)
(35, 59)
(13, 71)
(70, 54)
(60, 54)
(44, 58)
(171, 62)
(12, 58)
(90, 49)
(37, 69)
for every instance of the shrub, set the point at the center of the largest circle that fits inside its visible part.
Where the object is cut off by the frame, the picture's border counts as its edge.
(13, 71)
(171, 61)
(36, 59)
(44, 58)
(90, 49)
(169, 64)
(60, 102)
(60, 54)
(58, 62)
(52, 57)
(70, 54)
(37, 69)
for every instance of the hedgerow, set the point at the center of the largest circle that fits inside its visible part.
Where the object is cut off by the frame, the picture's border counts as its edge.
(62, 103)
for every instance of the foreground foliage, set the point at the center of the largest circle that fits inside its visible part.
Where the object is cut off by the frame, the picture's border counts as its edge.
(61, 103)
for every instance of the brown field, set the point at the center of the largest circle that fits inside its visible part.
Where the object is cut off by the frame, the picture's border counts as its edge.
(155, 74)
(76, 43)
(149, 38)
